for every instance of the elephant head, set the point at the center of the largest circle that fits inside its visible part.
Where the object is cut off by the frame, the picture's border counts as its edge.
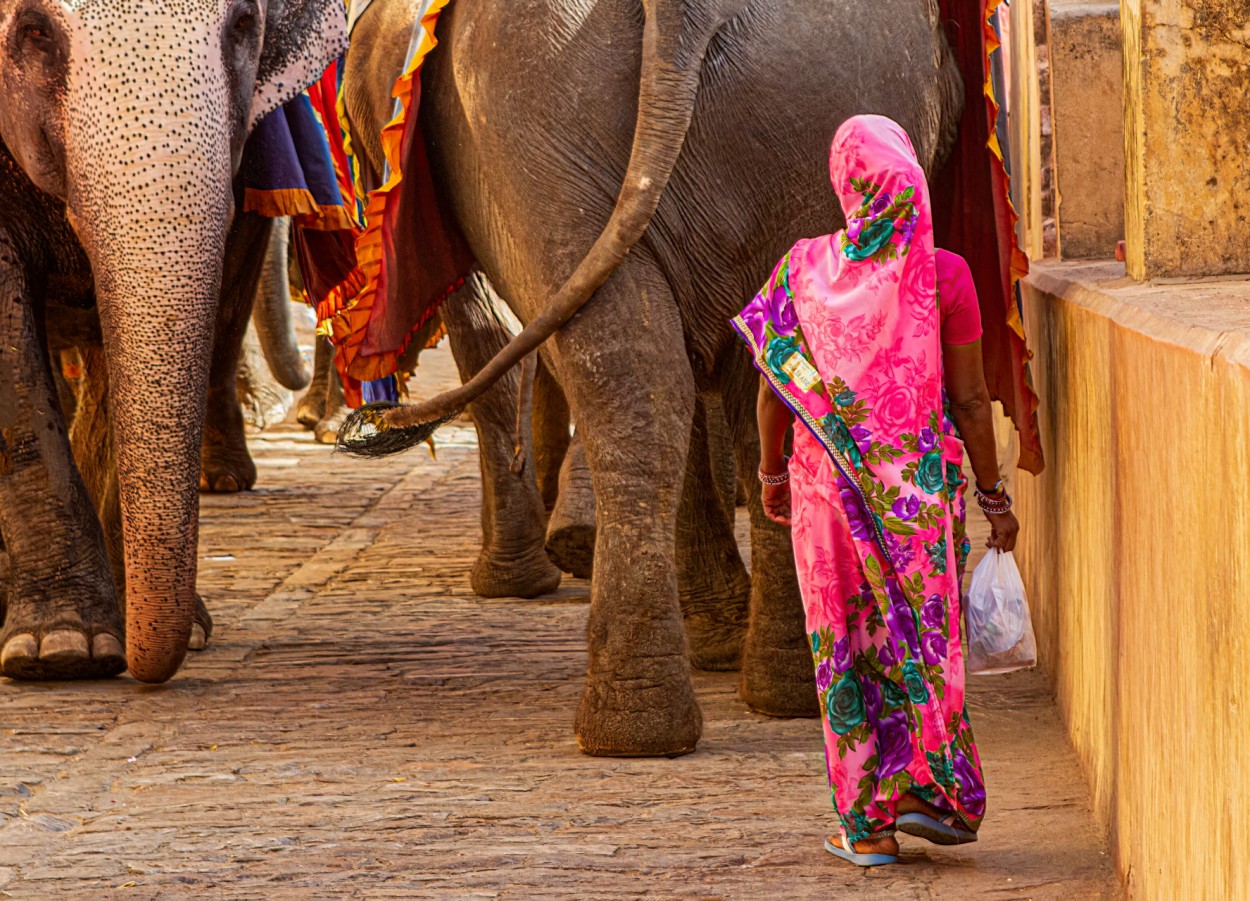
(134, 113)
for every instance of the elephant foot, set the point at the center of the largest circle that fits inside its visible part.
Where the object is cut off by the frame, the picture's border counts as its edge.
(226, 469)
(39, 645)
(778, 682)
(311, 408)
(714, 647)
(326, 431)
(530, 577)
(201, 626)
(660, 719)
(571, 547)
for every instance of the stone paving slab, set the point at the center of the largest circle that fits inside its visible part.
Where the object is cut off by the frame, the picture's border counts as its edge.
(363, 726)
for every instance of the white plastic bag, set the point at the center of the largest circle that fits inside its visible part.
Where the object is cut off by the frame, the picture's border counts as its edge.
(1000, 634)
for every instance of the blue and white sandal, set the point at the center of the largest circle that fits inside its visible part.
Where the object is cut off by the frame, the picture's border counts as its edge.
(848, 853)
(940, 832)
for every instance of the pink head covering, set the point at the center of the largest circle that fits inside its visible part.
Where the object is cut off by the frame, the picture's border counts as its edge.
(867, 295)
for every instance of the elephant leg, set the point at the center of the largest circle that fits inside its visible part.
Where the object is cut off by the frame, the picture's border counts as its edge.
(777, 675)
(334, 409)
(312, 406)
(61, 616)
(263, 400)
(225, 464)
(624, 368)
(714, 585)
(721, 449)
(571, 529)
(551, 433)
(512, 562)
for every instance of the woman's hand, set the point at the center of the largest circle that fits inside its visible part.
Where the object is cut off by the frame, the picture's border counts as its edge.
(777, 502)
(1003, 530)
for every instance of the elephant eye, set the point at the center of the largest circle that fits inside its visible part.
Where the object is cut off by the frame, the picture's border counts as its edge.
(34, 33)
(245, 23)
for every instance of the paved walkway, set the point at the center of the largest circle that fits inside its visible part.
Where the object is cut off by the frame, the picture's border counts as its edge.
(364, 727)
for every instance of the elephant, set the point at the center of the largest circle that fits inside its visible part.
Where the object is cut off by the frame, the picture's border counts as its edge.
(122, 125)
(271, 367)
(627, 173)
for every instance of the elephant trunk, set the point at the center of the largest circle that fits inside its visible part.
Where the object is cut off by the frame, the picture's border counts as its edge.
(149, 192)
(272, 315)
(674, 41)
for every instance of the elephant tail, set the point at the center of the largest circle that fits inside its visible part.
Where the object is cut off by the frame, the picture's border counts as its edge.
(676, 34)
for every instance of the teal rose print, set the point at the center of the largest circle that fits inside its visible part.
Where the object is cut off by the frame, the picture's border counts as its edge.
(941, 767)
(845, 704)
(916, 688)
(780, 350)
(930, 475)
(894, 696)
(937, 555)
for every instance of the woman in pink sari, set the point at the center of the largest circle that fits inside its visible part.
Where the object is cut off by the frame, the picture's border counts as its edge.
(864, 335)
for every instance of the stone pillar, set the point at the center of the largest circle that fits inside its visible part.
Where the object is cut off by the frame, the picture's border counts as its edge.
(1187, 130)
(1087, 116)
(1024, 121)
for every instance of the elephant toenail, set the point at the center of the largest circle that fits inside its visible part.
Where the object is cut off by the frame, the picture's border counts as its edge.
(107, 647)
(63, 644)
(19, 648)
(199, 639)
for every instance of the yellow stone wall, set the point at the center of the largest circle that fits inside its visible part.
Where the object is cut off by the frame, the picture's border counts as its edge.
(1135, 548)
(1186, 80)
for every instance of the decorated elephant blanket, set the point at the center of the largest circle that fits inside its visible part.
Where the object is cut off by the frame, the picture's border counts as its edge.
(346, 233)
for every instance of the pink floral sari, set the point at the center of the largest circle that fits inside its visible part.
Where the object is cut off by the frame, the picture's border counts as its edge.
(847, 333)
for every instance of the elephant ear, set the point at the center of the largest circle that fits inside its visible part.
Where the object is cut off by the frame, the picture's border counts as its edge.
(302, 38)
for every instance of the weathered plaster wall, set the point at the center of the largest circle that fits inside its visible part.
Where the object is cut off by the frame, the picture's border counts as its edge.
(1186, 80)
(1135, 547)
(1087, 112)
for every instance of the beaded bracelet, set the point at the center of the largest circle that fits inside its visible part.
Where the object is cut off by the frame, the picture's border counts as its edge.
(995, 504)
(778, 479)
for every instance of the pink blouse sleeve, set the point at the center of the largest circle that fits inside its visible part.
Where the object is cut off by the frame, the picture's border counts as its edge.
(957, 299)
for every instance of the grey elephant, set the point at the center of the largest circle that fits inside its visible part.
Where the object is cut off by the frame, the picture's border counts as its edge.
(121, 128)
(627, 173)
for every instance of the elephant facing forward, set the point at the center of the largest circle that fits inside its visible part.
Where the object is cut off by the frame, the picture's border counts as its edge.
(122, 123)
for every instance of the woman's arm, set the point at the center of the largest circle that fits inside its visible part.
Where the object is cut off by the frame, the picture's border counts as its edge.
(774, 419)
(970, 409)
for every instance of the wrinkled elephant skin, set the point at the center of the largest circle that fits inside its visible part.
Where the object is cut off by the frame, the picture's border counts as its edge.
(127, 119)
(666, 198)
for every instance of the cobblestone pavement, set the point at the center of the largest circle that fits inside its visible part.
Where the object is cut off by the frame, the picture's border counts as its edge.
(363, 726)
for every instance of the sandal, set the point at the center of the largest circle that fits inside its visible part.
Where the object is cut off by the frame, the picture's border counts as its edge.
(939, 831)
(848, 853)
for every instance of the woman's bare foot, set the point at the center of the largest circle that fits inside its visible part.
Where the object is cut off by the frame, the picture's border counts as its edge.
(910, 803)
(884, 845)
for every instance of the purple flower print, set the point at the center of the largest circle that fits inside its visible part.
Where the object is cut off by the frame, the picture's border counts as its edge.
(901, 552)
(933, 648)
(881, 203)
(933, 612)
(886, 654)
(927, 440)
(781, 310)
(971, 789)
(872, 700)
(842, 654)
(907, 227)
(900, 619)
(862, 438)
(907, 508)
(894, 749)
(856, 515)
(853, 228)
(824, 674)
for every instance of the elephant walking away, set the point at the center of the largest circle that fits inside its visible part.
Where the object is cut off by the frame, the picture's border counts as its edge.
(654, 158)
(118, 182)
